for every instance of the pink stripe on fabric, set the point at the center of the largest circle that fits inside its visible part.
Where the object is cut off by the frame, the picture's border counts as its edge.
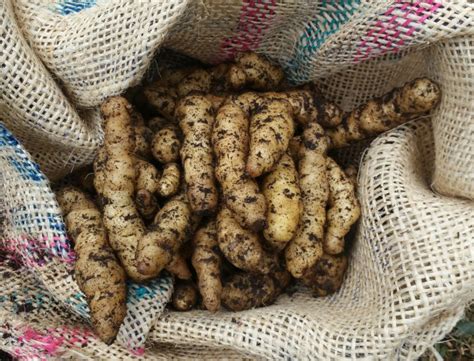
(255, 19)
(52, 341)
(33, 252)
(391, 34)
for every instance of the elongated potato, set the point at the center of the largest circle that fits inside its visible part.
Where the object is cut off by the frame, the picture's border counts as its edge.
(240, 246)
(305, 249)
(116, 185)
(196, 120)
(344, 209)
(230, 142)
(384, 113)
(172, 225)
(271, 128)
(282, 192)
(98, 273)
(207, 262)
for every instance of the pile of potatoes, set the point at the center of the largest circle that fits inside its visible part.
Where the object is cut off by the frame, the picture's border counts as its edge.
(221, 176)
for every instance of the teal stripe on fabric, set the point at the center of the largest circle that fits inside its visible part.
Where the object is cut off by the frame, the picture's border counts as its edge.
(330, 17)
(327, 21)
(66, 7)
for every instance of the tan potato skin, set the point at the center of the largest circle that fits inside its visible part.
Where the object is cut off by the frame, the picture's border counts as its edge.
(179, 267)
(169, 182)
(162, 99)
(384, 113)
(344, 209)
(121, 218)
(327, 275)
(147, 182)
(271, 128)
(282, 192)
(97, 271)
(207, 261)
(147, 176)
(143, 136)
(196, 120)
(198, 81)
(230, 142)
(244, 291)
(240, 246)
(260, 74)
(165, 145)
(184, 296)
(172, 225)
(304, 250)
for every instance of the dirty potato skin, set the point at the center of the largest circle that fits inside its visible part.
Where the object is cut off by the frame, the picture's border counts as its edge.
(199, 81)
(184, 296)
(255, 72)
(169, 182)
(384, 113)
(327, 275)
(116, 185)
(179, 267)
(207, 261)
(282, 192)
(143, 136)
(304, 250)
(244, 291)
(196, 120)
(230, 142)
(147, 180)
(165, 145)
(171, 227)
(344, 209)
(97, 271)
(147, 176)
(155, 124)
(240, 246)
(162, 99)
(271, 128)
(146, 204)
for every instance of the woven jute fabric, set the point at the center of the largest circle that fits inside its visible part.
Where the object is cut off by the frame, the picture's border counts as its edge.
(453, 66)
(412, 262)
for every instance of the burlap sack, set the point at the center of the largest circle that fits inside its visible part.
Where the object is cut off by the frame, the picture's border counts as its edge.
(412, 266)
(33, 236)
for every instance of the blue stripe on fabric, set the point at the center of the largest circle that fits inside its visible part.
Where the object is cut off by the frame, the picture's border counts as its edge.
(329, 18)
(66, 7)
